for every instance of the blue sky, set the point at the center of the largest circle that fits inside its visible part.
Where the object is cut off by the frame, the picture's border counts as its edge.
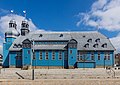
(50, 14)
(54, 15)
(67, 15)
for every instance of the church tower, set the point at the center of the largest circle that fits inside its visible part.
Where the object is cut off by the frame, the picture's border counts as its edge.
(24, 28)
(10, 35)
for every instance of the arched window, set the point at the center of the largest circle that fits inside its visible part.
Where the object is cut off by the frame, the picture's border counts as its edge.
(72, 43)
(26, 43)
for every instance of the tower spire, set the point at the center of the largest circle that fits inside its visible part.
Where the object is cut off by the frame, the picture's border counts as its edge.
(11, 11)
(24, 26)
(24, 14)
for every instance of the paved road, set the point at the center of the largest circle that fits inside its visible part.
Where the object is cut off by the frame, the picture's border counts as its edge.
(61, 82)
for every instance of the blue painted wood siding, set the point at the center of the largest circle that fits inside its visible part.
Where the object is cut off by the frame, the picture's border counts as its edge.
(48, 62)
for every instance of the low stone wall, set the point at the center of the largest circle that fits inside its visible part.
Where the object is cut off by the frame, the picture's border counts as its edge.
(48, 67)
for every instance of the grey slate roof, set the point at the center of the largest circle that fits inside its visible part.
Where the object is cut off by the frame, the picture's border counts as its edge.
(80, 37)
(49, 47)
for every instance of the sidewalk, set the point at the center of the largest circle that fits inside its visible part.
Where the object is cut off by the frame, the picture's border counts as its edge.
(61, 82)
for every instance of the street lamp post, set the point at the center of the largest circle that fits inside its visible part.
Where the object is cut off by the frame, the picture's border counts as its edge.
(32, 61)
(104, 63)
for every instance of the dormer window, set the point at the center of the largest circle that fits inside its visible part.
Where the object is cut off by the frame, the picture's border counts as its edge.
(95, 45)
(40, 35)
(89, 40)
(104, 45)
(97, 40)
(15, 46)
(19, 45)
(26, 43)
(86, 45)
(83, 36)
(61, 35)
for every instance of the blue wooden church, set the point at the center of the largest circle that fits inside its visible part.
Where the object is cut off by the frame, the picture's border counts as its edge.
(38, 49)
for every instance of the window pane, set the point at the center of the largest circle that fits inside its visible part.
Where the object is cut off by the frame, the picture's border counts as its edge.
(34, 56)
(53, 55)
(46, 55)
(28, 51)
(98, 55)
(108, 57)
(40, 55)
(60, 55)
(92, 55)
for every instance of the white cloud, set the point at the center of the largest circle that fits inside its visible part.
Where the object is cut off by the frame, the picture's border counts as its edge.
(103, 13)
(1, 48)
(4, 22)
(116, 42)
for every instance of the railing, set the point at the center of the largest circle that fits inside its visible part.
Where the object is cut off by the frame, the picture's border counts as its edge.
(19, 75)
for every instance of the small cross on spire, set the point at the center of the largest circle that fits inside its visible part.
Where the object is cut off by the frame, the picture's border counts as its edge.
(24, 13)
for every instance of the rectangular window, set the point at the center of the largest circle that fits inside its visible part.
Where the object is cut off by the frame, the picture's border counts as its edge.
(60, 55)
(107, 55)
(46, 55)
(81, 58)
(34, 56)
(40, 55)
(28, 51)
(105, 58)
(78, 58)
(53, 55)
(78, 55)
(98, 55)
(92, 55)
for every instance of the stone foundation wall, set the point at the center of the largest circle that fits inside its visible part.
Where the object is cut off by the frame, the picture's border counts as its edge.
(48, 67)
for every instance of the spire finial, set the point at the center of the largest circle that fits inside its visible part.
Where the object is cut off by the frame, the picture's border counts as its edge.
(12, 17)
(24, 13)
(11, 11)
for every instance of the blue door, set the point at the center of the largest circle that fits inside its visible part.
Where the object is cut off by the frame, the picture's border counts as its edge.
(18, 61)
(66, 60)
